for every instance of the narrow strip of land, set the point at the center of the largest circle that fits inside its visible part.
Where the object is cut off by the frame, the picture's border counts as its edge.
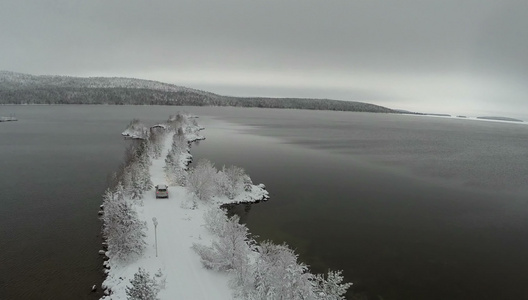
(180, 224)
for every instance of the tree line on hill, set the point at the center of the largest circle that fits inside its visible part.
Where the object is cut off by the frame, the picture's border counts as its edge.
(18, 88)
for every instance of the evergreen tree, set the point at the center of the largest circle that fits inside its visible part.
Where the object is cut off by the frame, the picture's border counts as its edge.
(143, 287)
(331, 287)
(174, 169)
(124, 232)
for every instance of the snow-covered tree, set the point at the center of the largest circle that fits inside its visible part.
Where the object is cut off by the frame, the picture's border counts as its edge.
(142, 154)
(123, 230)
(230, 181)
(230, 251)
(143, 165)
(175, 121)
(215, 219)
(248, 183)
(127, 180)
(180, 143)
(136, 130)
(223, 185)
(136, 180)
(143, 287)
(174, 167)
(136, 188)
(201, 180)
(136, 175)
(156, 142)
(175, 174)
(332, 287)
(278, 275)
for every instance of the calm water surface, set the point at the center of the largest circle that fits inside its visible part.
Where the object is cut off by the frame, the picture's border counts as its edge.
(54, 164)
(409, 207)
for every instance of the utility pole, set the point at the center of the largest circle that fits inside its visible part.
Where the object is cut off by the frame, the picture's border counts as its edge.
(155, 234)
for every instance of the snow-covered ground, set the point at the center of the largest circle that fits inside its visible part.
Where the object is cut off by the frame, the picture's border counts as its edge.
(179, 226)
(8, 119)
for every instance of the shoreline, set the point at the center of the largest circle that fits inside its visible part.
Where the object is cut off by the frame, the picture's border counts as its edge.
(468, 117)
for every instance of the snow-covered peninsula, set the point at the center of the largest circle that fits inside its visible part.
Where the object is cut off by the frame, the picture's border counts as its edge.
(185, 246)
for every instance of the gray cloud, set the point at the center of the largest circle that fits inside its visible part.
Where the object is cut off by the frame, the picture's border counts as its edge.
(450, 55)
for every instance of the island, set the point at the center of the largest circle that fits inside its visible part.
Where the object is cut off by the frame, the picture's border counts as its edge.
(8, 119)
(493, 118)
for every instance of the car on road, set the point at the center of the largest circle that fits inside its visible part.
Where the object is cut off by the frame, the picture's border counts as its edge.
(162, 191)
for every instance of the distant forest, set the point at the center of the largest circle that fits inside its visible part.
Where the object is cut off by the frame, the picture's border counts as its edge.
(17, 88)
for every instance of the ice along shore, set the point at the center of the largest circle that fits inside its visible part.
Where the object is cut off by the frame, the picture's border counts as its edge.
(184, 246)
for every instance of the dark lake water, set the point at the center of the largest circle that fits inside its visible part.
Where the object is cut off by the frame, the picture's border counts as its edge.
(409, 207)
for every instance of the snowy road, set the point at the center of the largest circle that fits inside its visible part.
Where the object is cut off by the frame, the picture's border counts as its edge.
(178, 228)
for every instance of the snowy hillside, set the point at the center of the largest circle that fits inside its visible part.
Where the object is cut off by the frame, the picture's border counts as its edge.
(19, 80)
(17, 88)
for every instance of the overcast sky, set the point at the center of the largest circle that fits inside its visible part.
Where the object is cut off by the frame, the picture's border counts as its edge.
(446, 56)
